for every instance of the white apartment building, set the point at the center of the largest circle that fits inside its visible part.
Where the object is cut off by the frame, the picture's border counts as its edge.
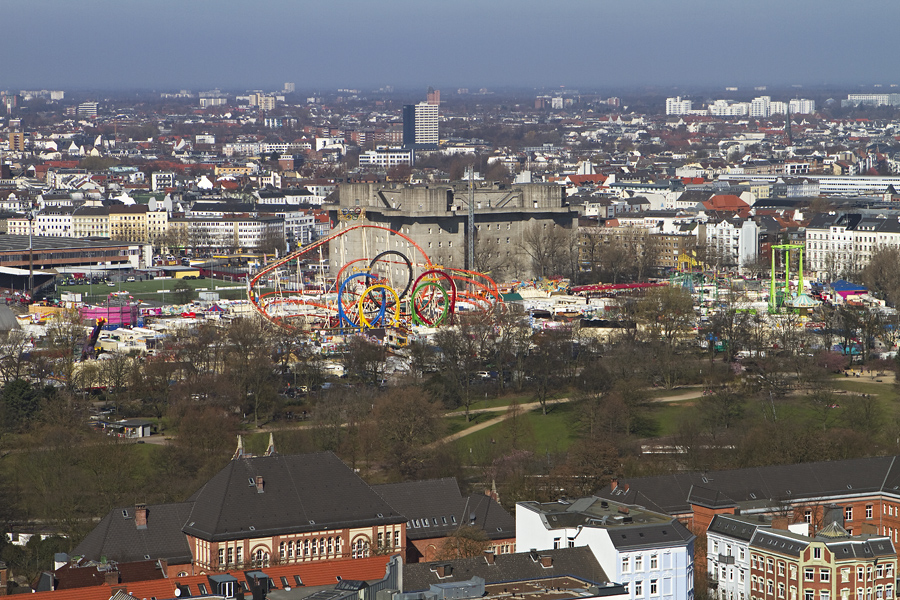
(651, 554)
(427, 124)
(729, 108)
(228, 233)
(802, 106)
(728, 555)
(387, 157)
(733, 241)
(833, 185)
(51, 223)
(161, 180)
(836, 243)
(677, 106)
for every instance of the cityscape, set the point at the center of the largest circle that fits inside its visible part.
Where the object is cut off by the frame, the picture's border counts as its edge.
(513, 301)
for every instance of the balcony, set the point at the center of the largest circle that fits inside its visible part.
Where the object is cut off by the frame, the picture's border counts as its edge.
(726, 559)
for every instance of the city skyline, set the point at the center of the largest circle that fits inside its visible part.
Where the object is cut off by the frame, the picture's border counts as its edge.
(164, 44)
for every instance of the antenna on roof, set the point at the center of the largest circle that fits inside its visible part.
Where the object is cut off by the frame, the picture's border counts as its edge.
(270, 451)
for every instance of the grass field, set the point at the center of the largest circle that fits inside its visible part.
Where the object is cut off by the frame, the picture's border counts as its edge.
(158, 290)
(543, 434)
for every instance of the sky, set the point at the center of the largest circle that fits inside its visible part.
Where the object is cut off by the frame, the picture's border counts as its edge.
(366, 44)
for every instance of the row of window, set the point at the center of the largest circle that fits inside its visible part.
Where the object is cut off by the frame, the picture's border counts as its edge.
(638, 562)
(655, 587)
(767, 587)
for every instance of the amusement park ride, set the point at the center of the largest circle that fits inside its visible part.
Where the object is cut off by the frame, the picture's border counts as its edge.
(394, 288)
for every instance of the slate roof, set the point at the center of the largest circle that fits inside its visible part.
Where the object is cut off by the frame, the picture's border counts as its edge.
(735, 527)
(522, 566)
(436, 508)
(302, 493)
(763, 484)
(117, 537)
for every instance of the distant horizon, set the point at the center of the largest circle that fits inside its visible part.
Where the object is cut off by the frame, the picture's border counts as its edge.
(601, 44)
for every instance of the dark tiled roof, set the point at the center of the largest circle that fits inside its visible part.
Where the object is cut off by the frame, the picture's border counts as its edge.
(117, 537)
(308, 492)
(776, 483)
(521, 566)
(650, 536)
(781, 542)
(436, 508)
(703, 496)
(737, 528)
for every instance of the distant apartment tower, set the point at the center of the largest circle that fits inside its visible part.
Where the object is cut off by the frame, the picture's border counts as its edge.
(88, 109)
(802, 106)
(677, 106)
(434, 96)
(761, 107)
(17, 141)
(427, 124)
(872, 100)
(290, 88)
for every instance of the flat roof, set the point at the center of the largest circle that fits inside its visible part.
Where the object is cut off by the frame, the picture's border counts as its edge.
(19, 243)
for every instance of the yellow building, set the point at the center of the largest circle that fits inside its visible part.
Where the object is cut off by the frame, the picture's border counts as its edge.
(91, 221)
(233, 170)
(157, 226)
(129, 223)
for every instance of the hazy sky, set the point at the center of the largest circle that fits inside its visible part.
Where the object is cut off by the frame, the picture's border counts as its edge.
(162, 44)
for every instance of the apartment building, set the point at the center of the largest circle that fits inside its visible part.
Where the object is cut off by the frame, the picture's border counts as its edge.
(229, 232)
(650, 553)
(90, 221)
(772, 559)
(837, 243)
(732, 242)
(49, 223)
(129, 222)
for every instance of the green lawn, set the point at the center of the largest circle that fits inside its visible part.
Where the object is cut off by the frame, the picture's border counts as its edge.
(542, 434)
(495, 402)
(153, 289)
(668, 416)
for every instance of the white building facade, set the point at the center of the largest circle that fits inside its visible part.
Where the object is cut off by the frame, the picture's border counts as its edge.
(651, 554)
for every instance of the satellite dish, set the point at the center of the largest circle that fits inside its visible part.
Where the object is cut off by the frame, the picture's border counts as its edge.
(177, 592)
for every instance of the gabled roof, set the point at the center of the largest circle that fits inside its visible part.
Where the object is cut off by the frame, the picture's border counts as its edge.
(521, 566)
(307, 492)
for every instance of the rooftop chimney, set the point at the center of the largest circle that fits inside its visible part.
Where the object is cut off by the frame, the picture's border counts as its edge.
(259, 484)
(546, 561)
(489, 556)
(780, 523)
(140, 516)
(613, 484)
(111, 577)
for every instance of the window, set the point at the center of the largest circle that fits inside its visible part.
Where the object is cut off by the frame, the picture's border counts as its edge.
(360, 549)
(556, 543)
(809, 574)
(817, 553)
(848, 513)
(781, 590)
(741, 553)
(638, 563)
(282, 550)
(305, 547)
(868, 511)
(770, 564)
(221, 556)
(654, 561)
(879, 571)
(626, 564)
(889, 591)
(769, 587)
(230, 555)
(715, 547)
(239, 555)
(780, 569)
(291, 549)
(808, 595)
(654, 587)
(889, 570)
(824, 595)
(824, 575)
(396, 540)
(860, 573)
(638, 588)
(845, 575)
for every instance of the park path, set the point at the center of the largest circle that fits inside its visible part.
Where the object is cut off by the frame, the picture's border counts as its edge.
(529, 406)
